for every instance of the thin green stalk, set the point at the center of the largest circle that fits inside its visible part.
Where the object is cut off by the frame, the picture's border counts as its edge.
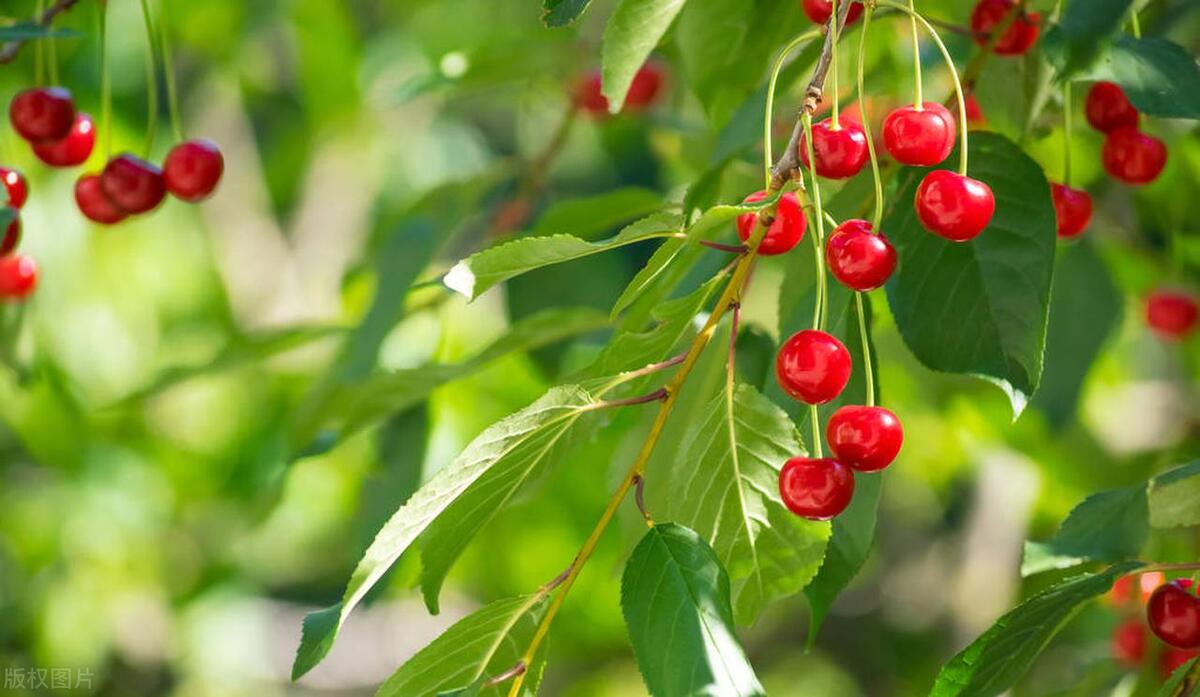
(866, 122)
(168, 65)
(918, 98)
(819, 311)
(833, 62)
(105, 79)
(767, 113)
(52, 58)
(1066, 132)
(1134, 25)
(866, 350)
(151, 80)
(39, 70)
(816, 431)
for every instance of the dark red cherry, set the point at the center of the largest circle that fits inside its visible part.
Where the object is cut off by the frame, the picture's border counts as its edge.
(1072, 209)
(192, 169)
(72, 150)
(644, 89)
(859, 259)
(817, 489)
(1173, 659)
(975, 118)
(864, 438)
(953, 205)
(1132, 156)
(15, 187)
(787, 230)
(1172, 314)
(1108, 108)
(841, 152)
(42, 113)
(921, 137)
(813, 366)
(12, 234)
(819, 11)
(132, 184)
(18, 276)
(1129, 643)
(92, 202)
(1173, 614)
(1021, 34)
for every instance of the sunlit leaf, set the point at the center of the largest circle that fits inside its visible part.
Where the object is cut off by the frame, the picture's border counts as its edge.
(632, 32)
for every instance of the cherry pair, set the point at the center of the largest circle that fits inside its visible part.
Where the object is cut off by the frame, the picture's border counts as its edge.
(1172, 314)
(129, 185)
(1173, 613)
(1021, 34)
(644, 89)
(18, 273)
(1128, 154)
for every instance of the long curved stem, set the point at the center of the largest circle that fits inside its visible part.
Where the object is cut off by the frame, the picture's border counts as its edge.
(819, 311)
(918, 98)
(168, 65)
(868, 372)
(770, 108)
(1066, 132)
(151, 79)
(866, 122)
(833, 62)
(105, 80)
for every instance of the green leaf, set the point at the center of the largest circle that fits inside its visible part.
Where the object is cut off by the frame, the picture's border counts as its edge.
(485, 643)
(509, 447)
(561, 13)
(710, 35)
(632, 32)
(726, 488)
(588, 216)
(994, 661)
(675, 598)
(478, 272)
(979, 307)
(848, 549)
(1175, 497)
(1082, 32)
(1183, 681)
(1161, 78)
(1110, 526)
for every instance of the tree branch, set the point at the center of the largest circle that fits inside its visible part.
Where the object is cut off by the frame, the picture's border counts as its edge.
(10, 50)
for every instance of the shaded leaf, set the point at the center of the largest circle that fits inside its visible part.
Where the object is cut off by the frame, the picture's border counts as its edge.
(560, 13)
(1183, 681)
(1082, 32)
(587, 216)
(848, 549)
(1110, 526)
(1175, 497)
(632, 32)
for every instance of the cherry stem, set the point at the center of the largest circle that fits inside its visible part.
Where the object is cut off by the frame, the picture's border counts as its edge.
(1134, 25)
(518, 669)
(105, 79)
(639, 496)
(868, 372)
(51, 52)
(816, 431)
(833, 62)
(819, 238)
(39, 70)
(866, 122)
(770, 107)
(918, 98)
(151, 79)
(1066, 133)
(168, 65)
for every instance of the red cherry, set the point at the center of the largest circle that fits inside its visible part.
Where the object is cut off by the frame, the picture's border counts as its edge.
(1108, 108)
(813, 366)
(953, 205)
(1132, 156)
(860, 260)
(1072, 209)
(132, 184)
(12, 235)
(819, 11)
(841, 152)
(588, 96)
(921, 137)
(975, 118)
(42, 113)
(1173, 614)
(1129, 643)
(787, 230)
(192, 169)
(1173, 659)
(1172, 314)
(817, 489)
(865, 438)
(14, 184)
(92, 202)
(1021, 34)
(646, 85)
(72, 150)
(18, 276)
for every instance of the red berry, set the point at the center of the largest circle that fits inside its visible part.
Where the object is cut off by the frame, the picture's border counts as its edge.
(921, 137)
(1021, 34)
(92, 202)
(975, 117)
(953, 205)
(841, 152)
(817, 489)
(819, 11)
(588, 96)
(1173, 659)
(192, 169)
(42, 113)
(71, 150)
(813, 366)
(1072, 209)
(646, 85)
(1173, 614)
(787, 230)
(132, 184)
(1132, 156)
(1129, 643)
(865, 438)
(12, 235)
(1172, 314)
(859, 259)
(18, 276)
(1108, 108)
(14, 184)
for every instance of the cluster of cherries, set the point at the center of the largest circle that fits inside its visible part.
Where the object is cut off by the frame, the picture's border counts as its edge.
(1172, 614)
(1129, 155)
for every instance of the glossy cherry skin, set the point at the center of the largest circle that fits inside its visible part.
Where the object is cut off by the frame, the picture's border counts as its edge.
(841, 152)
(644, 89)
(1132, 156)
(864, 438)
(1107, 108)
(132, 184)
(813, 366)
(192, 169)
(857, 258)
(954, 206)
(817, 489)
(1172, 314)
(785, 232)
(1072, 210)
(92, 202)
(1129, 643)
(18, 276)
(15, 187)
(919, 137)
(42, 113)
(12, 235)
(72, 150)
(1021, 34)
(819, 11)
(1173, 614)
(1173, 659)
